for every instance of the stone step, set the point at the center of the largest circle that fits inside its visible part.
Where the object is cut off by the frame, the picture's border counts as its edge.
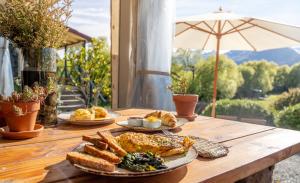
(67, 108)
(71, 102)
(70, 96)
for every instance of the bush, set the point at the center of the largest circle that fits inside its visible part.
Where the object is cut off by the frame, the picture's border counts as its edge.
(294, 76)
(289, 117)
(240, 108)
(287, 99)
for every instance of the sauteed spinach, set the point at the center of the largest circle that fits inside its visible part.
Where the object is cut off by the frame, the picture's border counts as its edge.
(140, 162)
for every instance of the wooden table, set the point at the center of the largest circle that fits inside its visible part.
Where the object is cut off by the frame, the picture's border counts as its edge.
(252, 148)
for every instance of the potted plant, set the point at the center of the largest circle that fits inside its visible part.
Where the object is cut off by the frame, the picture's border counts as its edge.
(37, 28)
(20, 110)
(185, 103)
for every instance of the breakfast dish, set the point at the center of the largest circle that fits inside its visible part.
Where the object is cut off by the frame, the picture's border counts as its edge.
(132, 154)
(92, 116)
(156, 144)
(154, 121)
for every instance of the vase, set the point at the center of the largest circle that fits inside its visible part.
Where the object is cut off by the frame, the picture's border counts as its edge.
(185, 104)
(39, 66)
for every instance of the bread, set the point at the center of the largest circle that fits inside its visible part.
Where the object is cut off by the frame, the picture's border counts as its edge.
(109, 156)
(169, 119)
(82, 114)
(112, 143)
(96, 141)
(100, 112)
(90, 161)
(156, 114)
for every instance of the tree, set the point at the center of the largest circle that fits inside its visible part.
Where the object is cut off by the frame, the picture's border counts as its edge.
(90, 71)
(294, 76)
(229, 78)
(262, 79)
(281, 79)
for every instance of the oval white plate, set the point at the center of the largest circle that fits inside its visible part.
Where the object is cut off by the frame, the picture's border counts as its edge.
(172, 162)
(180, 122)
(98, 121)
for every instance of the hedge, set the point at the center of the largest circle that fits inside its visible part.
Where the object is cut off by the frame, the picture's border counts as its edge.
(289, 117)
(287, 99)
(242, 108)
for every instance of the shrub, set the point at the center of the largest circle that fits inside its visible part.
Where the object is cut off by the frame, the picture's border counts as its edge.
(294, 76)
(289, 117)
(240, 108)
(287, 99)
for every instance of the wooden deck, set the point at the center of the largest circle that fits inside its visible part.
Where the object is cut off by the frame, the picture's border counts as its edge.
(252, 149)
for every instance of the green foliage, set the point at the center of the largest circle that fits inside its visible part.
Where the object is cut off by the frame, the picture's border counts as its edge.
(294, 76)
(258, 75)
(281, 79)
(229, 78)
(35, 24)
(89, 70)
(287, 99)
(240, 108)
(289, 117)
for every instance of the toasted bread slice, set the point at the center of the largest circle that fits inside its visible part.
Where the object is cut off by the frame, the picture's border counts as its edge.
(112, 143)
(109, 156)
(90, 161)
(96, 141)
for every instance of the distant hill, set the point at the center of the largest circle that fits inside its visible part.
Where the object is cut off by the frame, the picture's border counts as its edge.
(280, 56)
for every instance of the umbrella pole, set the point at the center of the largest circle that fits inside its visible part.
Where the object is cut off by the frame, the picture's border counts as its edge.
(218, 36)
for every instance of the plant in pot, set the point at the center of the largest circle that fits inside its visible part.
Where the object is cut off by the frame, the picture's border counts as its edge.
(37, 28)
(20, 110)
(185, 103)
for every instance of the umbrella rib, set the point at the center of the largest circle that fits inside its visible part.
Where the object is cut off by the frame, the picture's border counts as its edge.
(244, 22)
(223, 25)
(208, 36)
(233, 31)
(274, 32)
(199, 29)
(186, 28)
(211, 29)
(247, 41)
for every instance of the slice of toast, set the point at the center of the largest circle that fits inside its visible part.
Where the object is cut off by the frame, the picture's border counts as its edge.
(90, 161)
(96, 141)
(112, 143)
(109, 156)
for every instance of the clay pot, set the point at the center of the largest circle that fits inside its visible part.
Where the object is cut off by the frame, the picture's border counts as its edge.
(185, 104)
(2, 120)
(18, 123)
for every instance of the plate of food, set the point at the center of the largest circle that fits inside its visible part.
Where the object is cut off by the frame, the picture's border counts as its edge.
(91, 116)
(131, 154)
(154, 121)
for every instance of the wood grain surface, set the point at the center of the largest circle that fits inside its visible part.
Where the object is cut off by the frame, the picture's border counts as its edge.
(252, 148)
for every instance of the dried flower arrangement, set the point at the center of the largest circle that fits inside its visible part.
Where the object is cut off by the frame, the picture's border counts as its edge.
(35, 23)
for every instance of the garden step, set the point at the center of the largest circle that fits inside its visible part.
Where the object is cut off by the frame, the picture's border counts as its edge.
(71, 102)
(70, 96)
(66, 108)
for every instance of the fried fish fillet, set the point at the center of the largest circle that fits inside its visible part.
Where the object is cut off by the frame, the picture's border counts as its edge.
(157, 144)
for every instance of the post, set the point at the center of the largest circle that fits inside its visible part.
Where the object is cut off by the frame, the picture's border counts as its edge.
(114, 25)
(218, 37)
(65, 66)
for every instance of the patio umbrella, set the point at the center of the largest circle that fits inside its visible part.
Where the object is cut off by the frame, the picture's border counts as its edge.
(227, 31)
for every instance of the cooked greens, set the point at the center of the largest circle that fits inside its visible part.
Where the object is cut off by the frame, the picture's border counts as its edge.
(140, 162)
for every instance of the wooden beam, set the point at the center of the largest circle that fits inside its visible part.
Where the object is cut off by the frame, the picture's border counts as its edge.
(114, 26)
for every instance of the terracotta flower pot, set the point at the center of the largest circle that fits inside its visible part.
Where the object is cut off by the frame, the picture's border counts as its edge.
(18, 123)
(185, 104)
(2, 120)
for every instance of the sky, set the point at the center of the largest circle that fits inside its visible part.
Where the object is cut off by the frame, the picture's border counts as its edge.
(92, 17)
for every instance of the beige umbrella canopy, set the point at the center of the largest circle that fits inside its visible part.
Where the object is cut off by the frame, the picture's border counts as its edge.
(227, 31)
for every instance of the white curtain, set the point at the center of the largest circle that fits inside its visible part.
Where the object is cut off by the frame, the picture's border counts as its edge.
(6, 75)
(155, 28)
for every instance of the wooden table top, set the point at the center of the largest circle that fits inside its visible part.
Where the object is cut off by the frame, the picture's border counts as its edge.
(252, 149)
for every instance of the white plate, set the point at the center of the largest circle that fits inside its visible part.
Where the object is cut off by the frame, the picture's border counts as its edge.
(172, 162)
(180, 122)
(98, 121)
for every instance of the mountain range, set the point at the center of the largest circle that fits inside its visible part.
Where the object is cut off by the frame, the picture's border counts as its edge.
(281, 56)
